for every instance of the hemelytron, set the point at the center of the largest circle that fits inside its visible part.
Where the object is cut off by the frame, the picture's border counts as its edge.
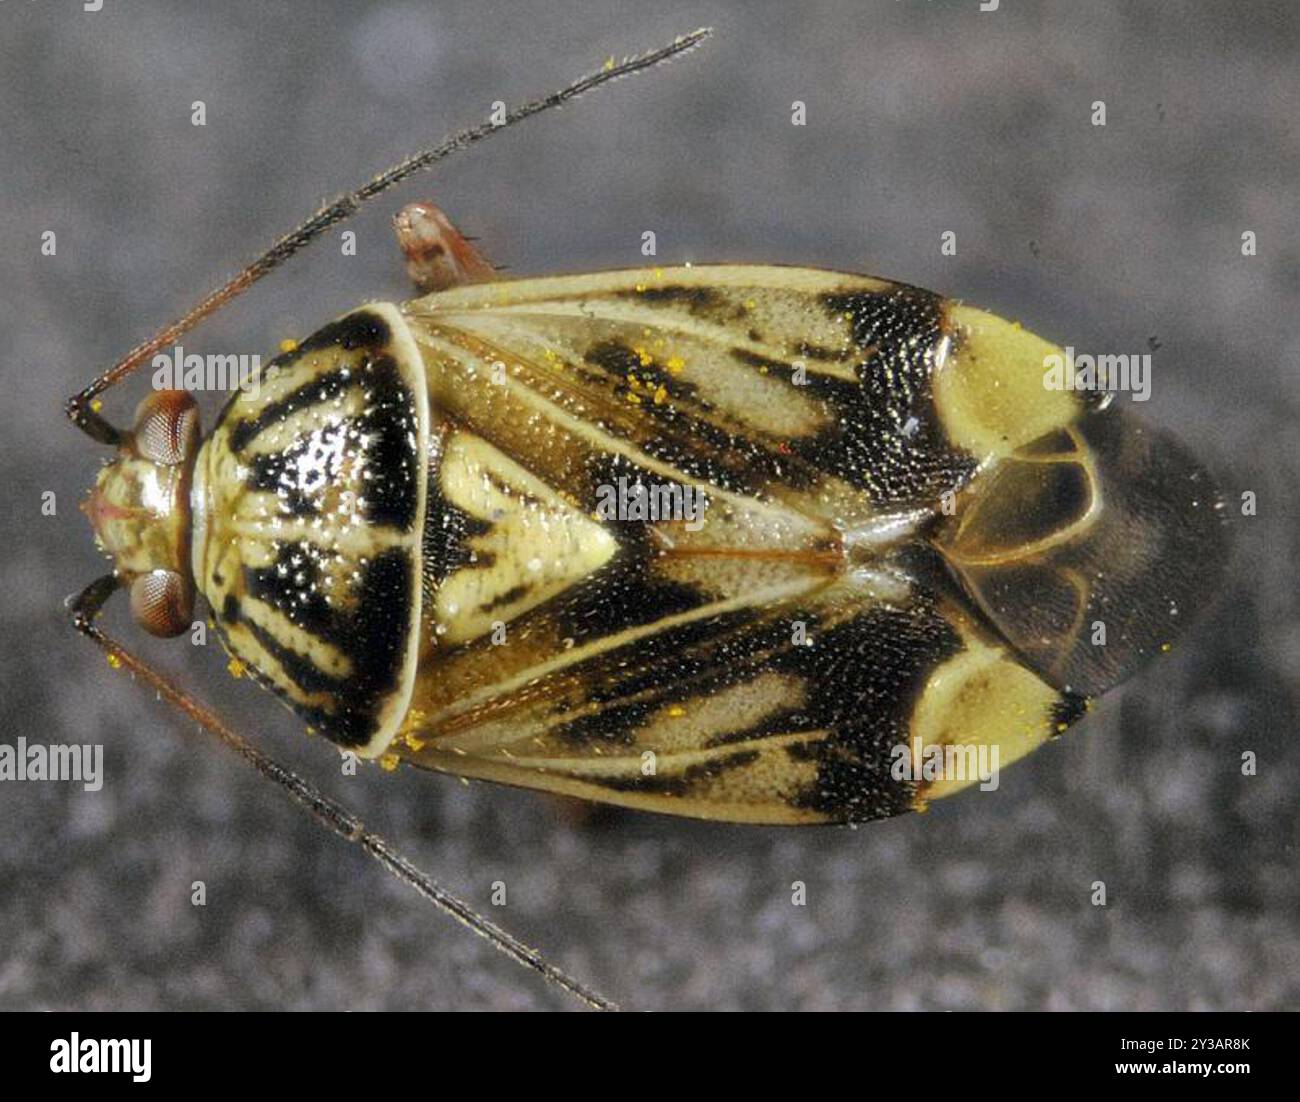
(908, 538)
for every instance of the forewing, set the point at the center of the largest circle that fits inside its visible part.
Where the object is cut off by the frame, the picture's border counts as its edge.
(810, 387)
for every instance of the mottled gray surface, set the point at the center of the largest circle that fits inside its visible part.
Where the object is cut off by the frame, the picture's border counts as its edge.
(922, 117)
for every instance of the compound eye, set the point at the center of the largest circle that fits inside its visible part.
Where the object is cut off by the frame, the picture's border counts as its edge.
(167, 427)
(161, 604)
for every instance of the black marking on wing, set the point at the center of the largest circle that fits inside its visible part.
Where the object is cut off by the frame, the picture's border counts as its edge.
(693, 659)
(701, 302)
(622, 594)
(808, 351)
(613, 725)
(688, 441)
(448, 531)
(753, 359)
(509, 597)
(873, 667)
(888, 438)
(688, 781)
(617, 359)
(1069, 709)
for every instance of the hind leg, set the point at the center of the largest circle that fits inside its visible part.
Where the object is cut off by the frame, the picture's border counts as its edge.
(438, 255)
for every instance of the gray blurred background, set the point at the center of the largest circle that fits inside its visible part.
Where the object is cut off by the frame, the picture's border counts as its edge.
(922, 117)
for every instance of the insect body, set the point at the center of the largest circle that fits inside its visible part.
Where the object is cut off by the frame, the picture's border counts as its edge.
(712, 541)
(903, 536)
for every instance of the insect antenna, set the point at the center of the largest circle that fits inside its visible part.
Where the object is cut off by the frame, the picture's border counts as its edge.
(80, 407)
(86, 607)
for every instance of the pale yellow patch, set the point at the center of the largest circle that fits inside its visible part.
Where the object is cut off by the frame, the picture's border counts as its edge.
(539, 543)
(989, 388)
(982, 697)
(735, 708)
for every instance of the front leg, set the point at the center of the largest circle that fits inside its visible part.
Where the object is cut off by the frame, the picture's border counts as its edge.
(438, 255)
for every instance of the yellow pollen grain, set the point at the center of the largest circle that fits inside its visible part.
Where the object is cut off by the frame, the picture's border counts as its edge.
(661, 396)
(676, 711)
(288, 345)
(388, 762)
(236, 668)
(96, 405)
(413, 741)
(609, 63)
(634, 399)
(114, 663)
(1165, 648)
(676, 365)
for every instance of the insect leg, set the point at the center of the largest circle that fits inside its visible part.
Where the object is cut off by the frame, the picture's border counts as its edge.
(85, 609)
(438, 255)
(80, 407)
